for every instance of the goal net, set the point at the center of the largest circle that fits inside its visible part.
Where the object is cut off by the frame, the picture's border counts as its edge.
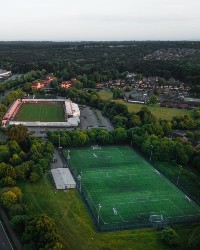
(95, 147)
(156, 218)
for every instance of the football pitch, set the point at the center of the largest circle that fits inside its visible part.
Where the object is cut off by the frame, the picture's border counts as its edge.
(121, 190)
(43, 112)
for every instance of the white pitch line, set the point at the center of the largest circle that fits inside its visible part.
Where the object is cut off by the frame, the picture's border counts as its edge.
(176, 206)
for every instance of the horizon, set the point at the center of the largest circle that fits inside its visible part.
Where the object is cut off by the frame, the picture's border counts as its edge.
(79, 41)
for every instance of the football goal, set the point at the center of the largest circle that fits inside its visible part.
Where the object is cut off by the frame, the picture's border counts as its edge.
(155, 218)
(96, 147)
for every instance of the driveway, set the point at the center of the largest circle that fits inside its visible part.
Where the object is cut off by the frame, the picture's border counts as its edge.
(59, 163)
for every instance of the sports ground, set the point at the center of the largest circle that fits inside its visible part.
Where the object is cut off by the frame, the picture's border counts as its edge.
(43, 112)
(122, 190)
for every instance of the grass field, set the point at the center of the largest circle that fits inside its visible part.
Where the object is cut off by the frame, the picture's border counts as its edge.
(123, 190)
(76, 228)
(105, 94)
(43, 112)
(159, 112)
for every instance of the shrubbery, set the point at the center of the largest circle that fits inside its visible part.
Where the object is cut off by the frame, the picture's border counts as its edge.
(194, 241)
(170, 237)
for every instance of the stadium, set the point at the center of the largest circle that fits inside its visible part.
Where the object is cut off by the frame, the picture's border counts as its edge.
(43, 113)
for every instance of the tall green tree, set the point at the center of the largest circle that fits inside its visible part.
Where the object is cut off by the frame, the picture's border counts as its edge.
(17, 132)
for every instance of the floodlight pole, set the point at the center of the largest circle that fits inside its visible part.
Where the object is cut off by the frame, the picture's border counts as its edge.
(132, 138)
(59, 147)
(59, 140)
(98, 213)
(178, 175)
(151, 153)
(68, 157)
(80, 181)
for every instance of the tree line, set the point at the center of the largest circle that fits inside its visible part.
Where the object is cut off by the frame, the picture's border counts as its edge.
(24, 158)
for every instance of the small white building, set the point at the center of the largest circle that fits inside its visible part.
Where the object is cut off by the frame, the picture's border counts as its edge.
(4, 73)
(63, 178)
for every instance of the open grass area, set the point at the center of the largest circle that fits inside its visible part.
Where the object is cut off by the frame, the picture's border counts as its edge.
(123, 190)
(43, 112)
(105, 94)
(76, 228)
(159, 112)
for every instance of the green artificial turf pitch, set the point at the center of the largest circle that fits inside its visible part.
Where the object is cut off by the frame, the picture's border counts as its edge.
(122, 190)
(43, 112)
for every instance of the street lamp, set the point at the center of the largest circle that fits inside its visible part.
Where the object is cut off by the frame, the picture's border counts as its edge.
(151, 153)
(99, 213)
(178, 175)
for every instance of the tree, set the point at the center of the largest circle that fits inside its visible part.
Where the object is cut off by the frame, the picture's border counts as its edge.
(15, 209)
(17, 132)
(8, 199)
(34, 177)
(15, 160)
(170, 237)
(117, 93)
(27, 87)
(196, 112)
(17, 191)
(134, 120)
(22, 170)
(146, 116)
(42, 233)
(19, 222)
(120, 135)
(65, 139)
(196, 162)
(14, 147)
(119, 121)
(7, 170)
(3, 109)
(153, 99)
(80, 138)
(4, 153)
(103, 137)
(7, 182)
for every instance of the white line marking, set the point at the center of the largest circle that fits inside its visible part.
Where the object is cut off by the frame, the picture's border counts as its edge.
(6, 235)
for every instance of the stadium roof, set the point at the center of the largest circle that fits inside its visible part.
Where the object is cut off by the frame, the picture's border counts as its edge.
(72, 122)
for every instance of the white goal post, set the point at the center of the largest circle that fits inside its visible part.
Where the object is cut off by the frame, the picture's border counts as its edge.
(156, 218)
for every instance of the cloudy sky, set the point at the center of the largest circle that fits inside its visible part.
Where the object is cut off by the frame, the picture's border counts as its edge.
(67, 20)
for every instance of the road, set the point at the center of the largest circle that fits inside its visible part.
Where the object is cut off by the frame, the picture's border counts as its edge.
(4, 240)
(59, 161)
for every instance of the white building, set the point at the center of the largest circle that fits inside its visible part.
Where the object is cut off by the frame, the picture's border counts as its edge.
(63, 178)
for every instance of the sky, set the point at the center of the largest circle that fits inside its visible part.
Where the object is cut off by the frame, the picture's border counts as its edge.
(102, 20)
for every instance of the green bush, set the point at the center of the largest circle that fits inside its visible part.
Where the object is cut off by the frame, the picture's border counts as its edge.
(194, 241)
(170, 237)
